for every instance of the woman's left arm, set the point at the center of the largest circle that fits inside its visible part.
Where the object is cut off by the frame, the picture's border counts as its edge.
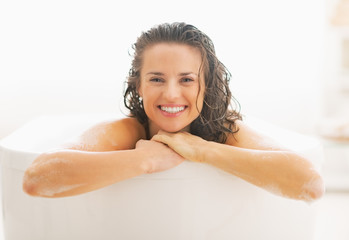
(254, 158)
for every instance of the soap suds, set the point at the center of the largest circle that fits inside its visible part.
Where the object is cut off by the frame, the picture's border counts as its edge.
(266, 143)
(50, 192)
(88, 140)
(311, 189)
(91, 138)
(51, 161)
(43, 182)
(274, 189)
(308, 193)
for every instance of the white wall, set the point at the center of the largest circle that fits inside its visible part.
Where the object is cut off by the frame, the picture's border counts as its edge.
(60, 57)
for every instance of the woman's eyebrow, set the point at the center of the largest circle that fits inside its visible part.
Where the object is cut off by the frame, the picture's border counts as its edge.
(187, 73)
(180, 74)
(155, 73)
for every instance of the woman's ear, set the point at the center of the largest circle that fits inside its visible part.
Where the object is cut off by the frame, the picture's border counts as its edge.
(139, 92)
(139, 87)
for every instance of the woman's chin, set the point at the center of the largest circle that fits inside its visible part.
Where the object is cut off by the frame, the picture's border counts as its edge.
(171, 130)
(176, 129)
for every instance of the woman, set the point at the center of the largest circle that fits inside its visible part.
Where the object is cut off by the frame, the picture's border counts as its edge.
(179, 99)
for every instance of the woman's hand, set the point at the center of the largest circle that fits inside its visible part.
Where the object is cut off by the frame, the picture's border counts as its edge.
(159, 156)
(185, 144)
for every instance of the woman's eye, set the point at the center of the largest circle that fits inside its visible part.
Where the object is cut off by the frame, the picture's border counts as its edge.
(187, 80)
(156, 80)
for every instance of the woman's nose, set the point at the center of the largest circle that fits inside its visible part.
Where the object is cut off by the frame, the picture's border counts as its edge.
(173, 91)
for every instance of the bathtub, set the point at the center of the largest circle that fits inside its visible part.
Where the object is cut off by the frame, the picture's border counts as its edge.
(192, 201)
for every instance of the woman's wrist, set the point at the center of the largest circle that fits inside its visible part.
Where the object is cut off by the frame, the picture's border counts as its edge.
(142, 157)
(206, 151)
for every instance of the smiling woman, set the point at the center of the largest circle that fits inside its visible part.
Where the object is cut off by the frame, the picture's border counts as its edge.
(178, 96)
(170, 87)
(197, 51)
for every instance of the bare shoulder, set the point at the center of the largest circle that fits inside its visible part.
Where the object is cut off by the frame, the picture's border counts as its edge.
(250, 138)
(112, 135)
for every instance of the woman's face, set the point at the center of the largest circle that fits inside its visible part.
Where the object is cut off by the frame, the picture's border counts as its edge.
(170, 86)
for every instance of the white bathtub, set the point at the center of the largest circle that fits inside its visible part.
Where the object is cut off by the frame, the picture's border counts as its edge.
(192, 201)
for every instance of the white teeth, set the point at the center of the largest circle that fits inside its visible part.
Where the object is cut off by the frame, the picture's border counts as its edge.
(172, 109)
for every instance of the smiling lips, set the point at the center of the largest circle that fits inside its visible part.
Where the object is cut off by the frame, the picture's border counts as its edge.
(172, 110)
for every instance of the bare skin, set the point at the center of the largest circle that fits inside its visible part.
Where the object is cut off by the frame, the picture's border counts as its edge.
(118, 152)
(86, 166)
(172, 89)
(254, 158)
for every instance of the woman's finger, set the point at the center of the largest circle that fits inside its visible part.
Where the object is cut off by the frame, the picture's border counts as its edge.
(162, 138)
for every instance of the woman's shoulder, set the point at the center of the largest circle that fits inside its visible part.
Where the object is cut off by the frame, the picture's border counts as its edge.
(111, 135)
(249, 137)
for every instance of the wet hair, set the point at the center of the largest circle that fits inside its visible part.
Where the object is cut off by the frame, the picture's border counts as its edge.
(217, 117)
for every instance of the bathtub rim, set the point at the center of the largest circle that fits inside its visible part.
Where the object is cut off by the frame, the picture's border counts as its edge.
(8, 148)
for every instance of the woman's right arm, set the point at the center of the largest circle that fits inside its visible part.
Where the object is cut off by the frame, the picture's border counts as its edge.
(105, 154)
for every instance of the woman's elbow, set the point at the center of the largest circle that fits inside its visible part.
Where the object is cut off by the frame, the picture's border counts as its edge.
(41, 175)
(36, 188)
(30, 185)
(34, 183)
(313, 189)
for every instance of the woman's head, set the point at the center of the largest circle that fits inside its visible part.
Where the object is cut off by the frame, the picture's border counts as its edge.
(213, 119)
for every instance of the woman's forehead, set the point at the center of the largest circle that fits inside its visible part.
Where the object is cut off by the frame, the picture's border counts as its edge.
(164, 57)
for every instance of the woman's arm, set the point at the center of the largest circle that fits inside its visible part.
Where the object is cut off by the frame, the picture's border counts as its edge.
(71, 172)
(254, 158)
(105, 154)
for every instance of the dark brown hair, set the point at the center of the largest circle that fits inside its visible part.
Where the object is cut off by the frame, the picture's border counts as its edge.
(215, 119)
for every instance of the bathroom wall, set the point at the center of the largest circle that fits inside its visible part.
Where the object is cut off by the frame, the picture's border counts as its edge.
(62, 57)
(337, 60)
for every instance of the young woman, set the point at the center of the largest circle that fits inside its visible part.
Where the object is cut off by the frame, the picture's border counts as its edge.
(179, 102)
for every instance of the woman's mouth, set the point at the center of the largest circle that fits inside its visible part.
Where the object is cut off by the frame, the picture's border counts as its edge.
(172, 109)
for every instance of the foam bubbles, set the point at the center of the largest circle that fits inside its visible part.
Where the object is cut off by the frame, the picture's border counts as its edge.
(50, 192)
